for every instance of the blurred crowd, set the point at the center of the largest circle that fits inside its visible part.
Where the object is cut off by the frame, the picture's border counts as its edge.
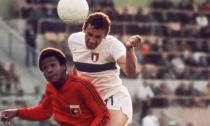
(9, 80)
(185, 94)
(176, 45)
(176, 35)
(177, 41)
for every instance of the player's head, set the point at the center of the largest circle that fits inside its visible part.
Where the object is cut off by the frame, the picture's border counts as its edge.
(96, 28)
(98, 20)
(52, 62)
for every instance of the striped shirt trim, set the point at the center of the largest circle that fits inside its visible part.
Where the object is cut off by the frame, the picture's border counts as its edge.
(92, 91)
(86, 67)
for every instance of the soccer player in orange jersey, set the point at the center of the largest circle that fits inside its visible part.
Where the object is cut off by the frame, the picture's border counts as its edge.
(72, 100)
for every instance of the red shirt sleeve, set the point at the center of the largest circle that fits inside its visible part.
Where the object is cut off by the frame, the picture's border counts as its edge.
(41, 112)
(95, 103)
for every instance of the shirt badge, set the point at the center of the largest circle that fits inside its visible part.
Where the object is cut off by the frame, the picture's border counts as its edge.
(75, 110)
(94, 56)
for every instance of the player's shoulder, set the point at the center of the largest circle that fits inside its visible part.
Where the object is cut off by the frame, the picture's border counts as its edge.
(113, 41)
(49, 87)
(81, 83)
(80, 80)
(77, 37)
(111, 38)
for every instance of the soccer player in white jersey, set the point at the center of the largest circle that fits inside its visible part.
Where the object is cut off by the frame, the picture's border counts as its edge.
(99, 57)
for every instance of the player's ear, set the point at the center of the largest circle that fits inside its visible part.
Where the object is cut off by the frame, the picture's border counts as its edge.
(63, 67)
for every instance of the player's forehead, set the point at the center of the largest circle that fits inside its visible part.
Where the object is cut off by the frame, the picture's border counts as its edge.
(95, 31)
(48, 60)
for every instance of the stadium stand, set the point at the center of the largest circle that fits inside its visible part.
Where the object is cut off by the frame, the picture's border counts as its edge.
(189, 116)
(175, 56)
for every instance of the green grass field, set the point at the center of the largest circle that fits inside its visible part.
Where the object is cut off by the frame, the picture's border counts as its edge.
(140, 3)
(131, 3)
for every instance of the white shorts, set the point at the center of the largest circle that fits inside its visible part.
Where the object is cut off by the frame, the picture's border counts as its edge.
(121, 101)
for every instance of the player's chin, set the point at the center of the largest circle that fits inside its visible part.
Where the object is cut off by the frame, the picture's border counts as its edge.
(91, 47)
(52, 79)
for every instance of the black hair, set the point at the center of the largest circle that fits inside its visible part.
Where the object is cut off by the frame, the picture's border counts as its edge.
(52, 52)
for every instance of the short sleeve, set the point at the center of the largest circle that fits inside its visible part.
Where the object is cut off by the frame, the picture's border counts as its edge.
(117, 49)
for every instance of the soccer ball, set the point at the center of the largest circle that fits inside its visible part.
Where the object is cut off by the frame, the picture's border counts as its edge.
(72, 11)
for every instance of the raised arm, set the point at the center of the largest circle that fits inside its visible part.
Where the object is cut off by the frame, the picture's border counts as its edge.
(129, 63)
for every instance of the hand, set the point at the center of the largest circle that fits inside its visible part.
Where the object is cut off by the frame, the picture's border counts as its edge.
(7, 115)
(134, 41)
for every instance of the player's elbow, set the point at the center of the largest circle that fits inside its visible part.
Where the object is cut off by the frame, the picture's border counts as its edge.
(47, 116)
(131, 75)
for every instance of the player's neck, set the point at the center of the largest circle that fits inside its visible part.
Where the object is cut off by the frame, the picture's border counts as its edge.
(58, 85)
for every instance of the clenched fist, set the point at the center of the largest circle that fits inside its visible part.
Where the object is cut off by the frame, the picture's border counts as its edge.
(134, 41)
(8, 114)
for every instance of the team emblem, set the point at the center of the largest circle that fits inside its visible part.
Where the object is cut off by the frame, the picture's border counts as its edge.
(75, 110)
(94, 56)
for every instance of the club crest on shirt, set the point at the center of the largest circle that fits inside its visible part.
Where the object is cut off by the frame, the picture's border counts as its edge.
(75, 110)
(94, 56)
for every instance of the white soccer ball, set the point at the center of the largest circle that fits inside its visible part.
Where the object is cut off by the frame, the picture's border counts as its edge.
(73, 11)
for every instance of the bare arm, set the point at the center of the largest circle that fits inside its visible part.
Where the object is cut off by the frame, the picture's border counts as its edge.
(74, 70)
(129, 63)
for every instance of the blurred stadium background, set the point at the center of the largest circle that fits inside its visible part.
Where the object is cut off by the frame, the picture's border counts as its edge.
(174, 59)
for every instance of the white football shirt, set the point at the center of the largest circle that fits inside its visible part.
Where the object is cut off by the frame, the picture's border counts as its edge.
(99, 65)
